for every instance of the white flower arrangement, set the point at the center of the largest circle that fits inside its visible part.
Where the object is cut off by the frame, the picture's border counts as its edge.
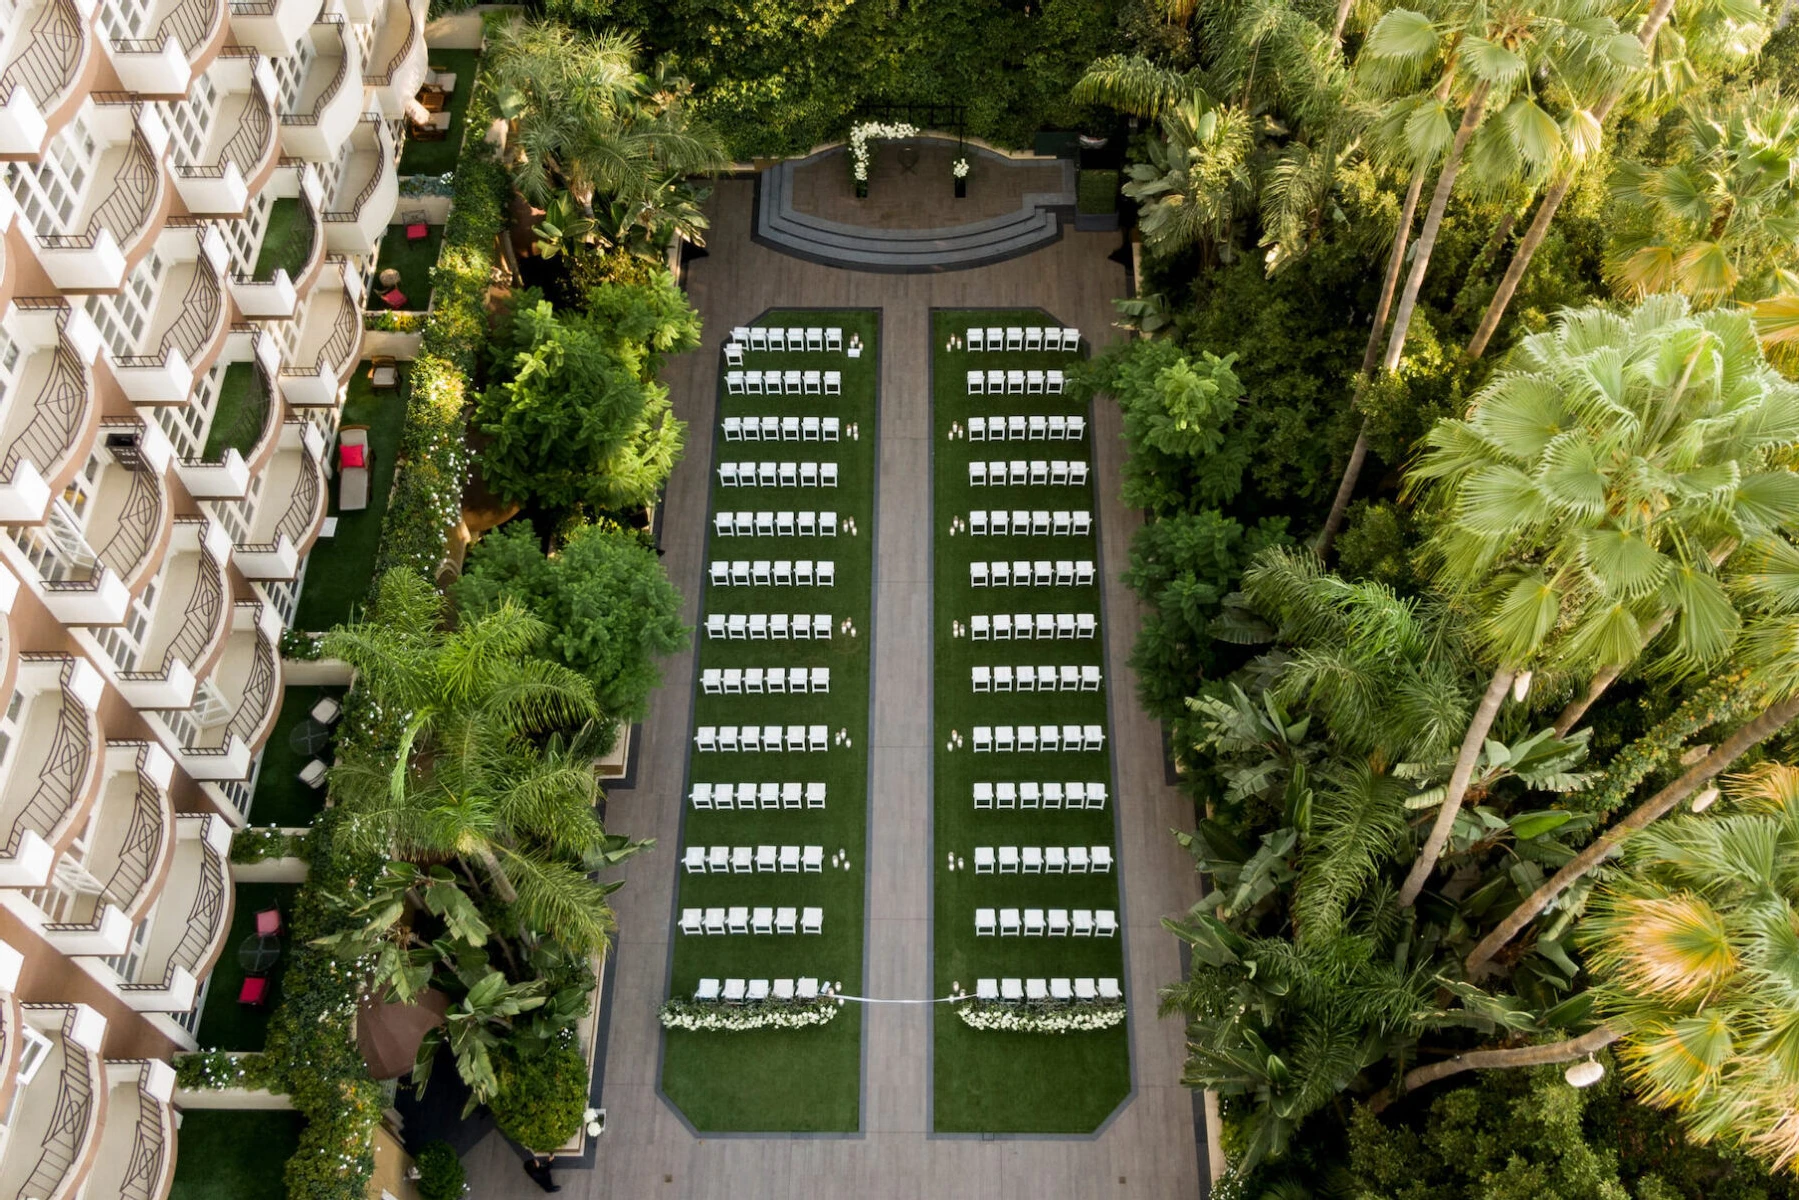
(959, 168)
(720, 1017)
(859, 135)
(1052, 1016)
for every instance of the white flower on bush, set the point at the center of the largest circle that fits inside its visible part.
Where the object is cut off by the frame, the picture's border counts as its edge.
(959, 168)
(1052, 1016)
(859, 136)
(703, 1016)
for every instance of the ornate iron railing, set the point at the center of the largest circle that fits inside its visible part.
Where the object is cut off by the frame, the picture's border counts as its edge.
(203, 917)
(345, 333)
(130, 543)
(149, 1151)
(127, 207)
(255, 134)
(399, 56)
(383, 163)
(65, 766)
(51, 54)
(202, 308)
(259, 690)
(303, 505)
(55, 417)
(143, 838)
(69, 1119)
(298, 248)
(200, 620)
(311, 116)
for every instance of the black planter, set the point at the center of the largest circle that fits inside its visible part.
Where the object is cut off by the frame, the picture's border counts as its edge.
(861, 189)
(961, 188)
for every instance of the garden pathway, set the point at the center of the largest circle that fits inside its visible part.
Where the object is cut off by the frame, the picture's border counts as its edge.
(1148, 1149)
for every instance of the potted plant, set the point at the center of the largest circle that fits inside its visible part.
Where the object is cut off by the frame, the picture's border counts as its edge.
(959, 169)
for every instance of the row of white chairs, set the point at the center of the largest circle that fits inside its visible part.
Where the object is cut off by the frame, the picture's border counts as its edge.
(784, 383)
(1025, 337)
(757, 681)
(1047, 989)
(737, 991)
(748, 796)
(780, 572)
(1015, 383)
(778, 337)
(1029, 794)
(1036, 473)
(742, 860)
(1037, 522)
(777, 474)
(741, 523)
(783, 429)
(1022, 573)
(739, 919)
(1002, 627)
(988, 738)
(1035, 922)
(779, 627)
(1043, 860)
(1035, 679)
(1027, 429)
(756, 738)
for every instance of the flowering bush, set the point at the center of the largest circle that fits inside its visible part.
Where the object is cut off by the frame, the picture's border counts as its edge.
(859, 135)
(1041, 1016)
(253, 845)
(959, 168)
(717, 1017)
(428, 185)
(395, 322)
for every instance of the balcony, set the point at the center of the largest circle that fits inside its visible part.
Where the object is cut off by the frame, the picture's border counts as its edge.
(59, 1103)
(396, 65)
(172, 44)
(236, 705)
(41, 71)
(189, 622)
(330, 99)
(246, 423)
(187, 325)
(177, 942)
(329, 346)
(271, 26)
(121, 209)
(137, 1143)
(291, 508)
(129, 511)
(241, 145)
(367, 191)
(290, 258)
(56, 762)
(49, 419)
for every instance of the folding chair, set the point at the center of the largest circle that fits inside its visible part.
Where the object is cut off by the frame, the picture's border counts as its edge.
(1105, 923)
(821, 622)
(715, 924)
(1005, 738)
(692, 921)
(812, 383)
(771, 382)
(796, 738)
(977, 338)
(983, 860)
(752, 383)
(762, 920)
(705, 737)
(821, 680)
(733, 354)
(1033, 337)
(1096, 795)
(789, 473)
(1077, 473)
(1090, 678)
(1015, 427)
(1058, 429)
(762, 572)
(1042, 575)
(1100, 860)
(700, 795)
(1077, 795)
(790, 860)
(1018, 472)
(768, 473)
(1014, 383)
(1039, 429)
(1014, 338)
(812, 859)
(1086, 625)
(1052, 338)
(715, 622)
(796, 338)
(983, 796)
(1009, 922)
(977, 383)
(1034, 923)
(1049, 737)
(980, 627)
(812, 920)
(815, 338)
(1071, 339)
(733, 386)
(1053, 382)
(1027, 739)
(777, 337)
(768, 429)
(693, 859)
(833, 384)
(1029, 794)
(977, 523)
(1055, 860)
(827, 474)
(753, 681)
(981, 678)
(815, 795)
(995, 337)
(827, 573)
(809, 429)
(1058, 927)
(711, 682)
(1083, 573)
(985, 922)
(791, 382)
(749, 738)
(737, 919)
(1033, 383)
(1077, 860)
(1083, 927)
(1006, 795)
(831, 427)
(818, 737)
(790, 429)
(983, 739)
(757, 337)
(790, 795)
(1077, 428)
(977, 429)
(1052, 795)
(782, 525)
(743, 860)
(1093, 737)
(833, 338)
(787, 921)
(727, 474)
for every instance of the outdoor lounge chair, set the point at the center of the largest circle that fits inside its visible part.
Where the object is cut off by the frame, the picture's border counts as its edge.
(354, 458)
(384, 373)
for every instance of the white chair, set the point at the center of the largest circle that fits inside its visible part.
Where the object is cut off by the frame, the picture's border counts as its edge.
(1006, 795)
(1077, 860)
(1034, 922)
(708, 990)
(1093, 737)
(977, 474)
(815, 795)
(1011, 989)
(1052, 338)
(1009, 922)
(700, 795)
(827, 523)
(812, 858)
(790, 473)
(1105, 923)
(1005, 738)
(1053, 382)
(1063, 988)
(758, 338)
(1008, 860)
(1071, 339)
(733, 354)
(1083, 922)
(810, 428)
(833, 338)
(718, 860)
(817, 737)
(977, 383)
(983, 739)
(986, 989)
(1052, 795)
(977, 338)
(977, 429)
(783, 989)
(826, 573)
(768, 795)
(983, 860)
(786, 920)
(815, 338)
(813, 383)
(766, 858)
(1090, 678)
(737, 919)
(694, 860)
(996, 382)
(985, 922)
(1084, 990)
(791, 382)
(1033, 337)
(1049, 737)
(1055, 860)
(983, 795)
(1033, 383)
(715, 922)
(832, 425)
(980, 627)
(692, 921)
(1014, 337)
(821, 622)
(812, 920)
(743, 860)
(1031, 860)
(705, 738)
(821, 679)
(827, 474)
(982, 678)
(715, 625)
(742, 336)
(833, 387)
(790, 860)
(977, 574)
(1015, 383)
(1108, 990)
(752, 381)
(1099, 859)
(710, 681)
(762, 920)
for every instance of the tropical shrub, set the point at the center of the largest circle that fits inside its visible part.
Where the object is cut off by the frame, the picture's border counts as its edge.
(441, 1176)
(541, 1097)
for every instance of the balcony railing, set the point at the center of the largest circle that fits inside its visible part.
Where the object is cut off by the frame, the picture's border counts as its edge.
(64, 767)
(143, 1171)
(202, 308)
(191, 23)
(56, 417)
(386, 75)
(383, 164)
(51, 55)
(138, 519)
(255, 134)
(311, 116)
(71, 1121)
(259, 689)
(203, 916)
(247, 427)
(292, 253)
(126, 208)
(200, 621)
(142, 845)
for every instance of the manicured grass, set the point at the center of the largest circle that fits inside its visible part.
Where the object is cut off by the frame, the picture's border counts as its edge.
(287, 242)
(224, 1023)
(228, 1154)
(800, 1080)
(987, 1082)
(242, 412)
(340, 567)
(281, 799)
(413, 260)
(434, 158)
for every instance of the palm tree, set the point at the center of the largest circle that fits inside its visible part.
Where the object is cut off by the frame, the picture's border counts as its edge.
(1196, 180)
(1720, 221)
(474, 766)
(588, 122)
(1721, 29)
(1591, 495)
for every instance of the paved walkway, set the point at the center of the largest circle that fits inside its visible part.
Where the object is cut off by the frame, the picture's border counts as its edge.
(1148, 1150)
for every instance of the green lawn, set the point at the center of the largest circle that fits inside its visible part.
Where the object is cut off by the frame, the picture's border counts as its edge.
(287, 242)
(224, 1023)
(434, 158)
(281, 799)
(799, 1080)
(241, 415)
(988, 1081)
(225, 1154)
(340, 567)
(413, 260)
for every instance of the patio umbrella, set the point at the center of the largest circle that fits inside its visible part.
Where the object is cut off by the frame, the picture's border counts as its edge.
(389, 1034)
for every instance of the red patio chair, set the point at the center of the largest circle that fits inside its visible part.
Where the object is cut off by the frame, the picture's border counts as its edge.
(255, 991)
(268, 922)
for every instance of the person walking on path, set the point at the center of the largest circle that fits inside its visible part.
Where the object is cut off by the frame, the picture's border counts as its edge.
(538, 1168)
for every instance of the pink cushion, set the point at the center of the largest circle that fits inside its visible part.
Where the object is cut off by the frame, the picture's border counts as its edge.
(417, 231)
(394, 297)
(268, 921)
(351, 456)
(254, 991)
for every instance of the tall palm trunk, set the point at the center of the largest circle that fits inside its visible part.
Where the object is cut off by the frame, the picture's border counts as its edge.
(1552, 200)
(1772, 719)
(1604, 678)
(1343, 7)
(1517, 1056)
(1459, 778)
(1371, 357)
